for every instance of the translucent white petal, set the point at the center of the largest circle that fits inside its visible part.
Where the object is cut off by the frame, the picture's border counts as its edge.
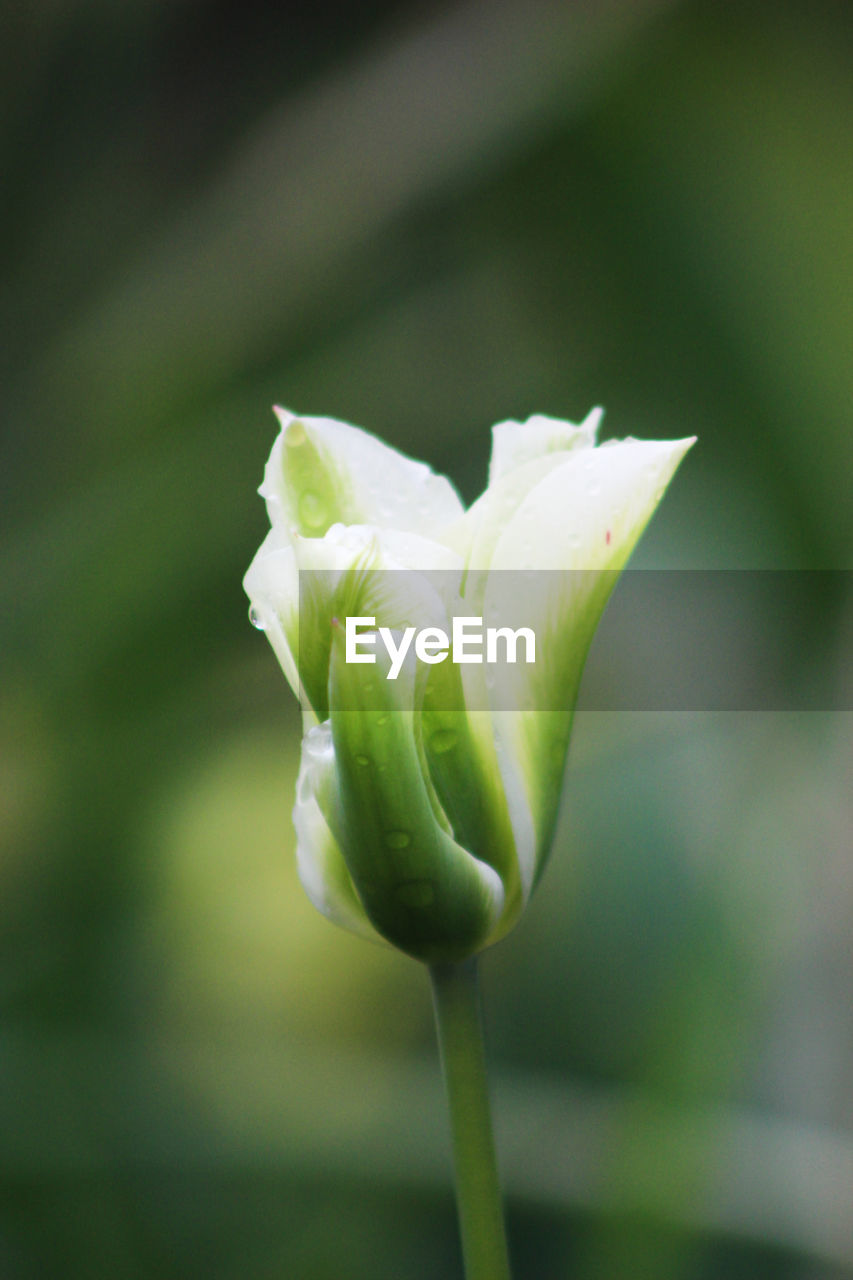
(319, 860)
(474, 537)
(322, 472)
(272, 585)
(514, 443)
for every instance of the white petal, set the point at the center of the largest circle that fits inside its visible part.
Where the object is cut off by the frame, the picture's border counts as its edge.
(390, 549)
(514, 443)
(589, 512)
(320, 863)
(583, 519)
(321, 472)
(272, 585)
(476, 535)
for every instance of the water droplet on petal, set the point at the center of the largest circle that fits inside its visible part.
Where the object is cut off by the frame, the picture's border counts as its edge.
(317, 743)
(443, 740)
(312, 510)
(574, 540)
(295, 435)
(398, 839)
(256, 619)
(416, 893)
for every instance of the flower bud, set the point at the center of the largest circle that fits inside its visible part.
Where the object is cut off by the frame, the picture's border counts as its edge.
(427, 797)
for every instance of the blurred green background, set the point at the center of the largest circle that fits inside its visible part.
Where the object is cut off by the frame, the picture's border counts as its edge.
(421, 218)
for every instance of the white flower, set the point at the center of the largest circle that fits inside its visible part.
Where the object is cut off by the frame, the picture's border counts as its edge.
(426, 805)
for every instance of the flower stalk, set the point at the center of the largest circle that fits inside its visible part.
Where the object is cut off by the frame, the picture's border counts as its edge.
(456, 1000)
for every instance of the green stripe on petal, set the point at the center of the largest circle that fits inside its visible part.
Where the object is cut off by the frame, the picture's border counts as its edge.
(459, 751)
(315, 491)
(358, 572)
(421, 890)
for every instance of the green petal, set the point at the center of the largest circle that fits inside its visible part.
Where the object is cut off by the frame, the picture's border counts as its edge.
(421, 890)
(459, 751)
(322, 472)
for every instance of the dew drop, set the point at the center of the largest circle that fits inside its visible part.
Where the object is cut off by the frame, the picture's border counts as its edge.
(312, 510)
(416, 893)
(443, 740)
(295, 435)
(256, 619)
(574, 540)
(363, 761)
(398, 839)
(383, 719)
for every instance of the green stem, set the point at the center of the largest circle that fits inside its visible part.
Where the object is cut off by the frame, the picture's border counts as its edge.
(456, 998)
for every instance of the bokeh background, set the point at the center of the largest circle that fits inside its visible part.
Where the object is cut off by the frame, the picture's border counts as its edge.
(421, 218)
